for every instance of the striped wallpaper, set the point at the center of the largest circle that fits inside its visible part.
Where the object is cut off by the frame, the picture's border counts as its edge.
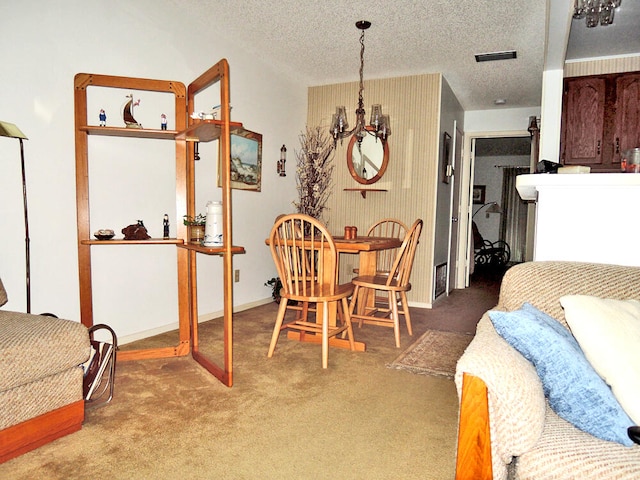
(411, 177)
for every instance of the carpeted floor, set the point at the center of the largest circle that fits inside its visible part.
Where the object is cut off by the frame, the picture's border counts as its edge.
(284, 418)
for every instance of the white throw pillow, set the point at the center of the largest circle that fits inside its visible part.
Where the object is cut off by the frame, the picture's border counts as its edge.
(608, 332)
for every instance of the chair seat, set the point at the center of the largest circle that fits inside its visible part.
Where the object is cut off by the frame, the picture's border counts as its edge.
(381, 282)
(341, 291)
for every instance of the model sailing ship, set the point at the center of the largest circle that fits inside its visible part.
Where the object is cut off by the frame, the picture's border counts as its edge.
(127, 112)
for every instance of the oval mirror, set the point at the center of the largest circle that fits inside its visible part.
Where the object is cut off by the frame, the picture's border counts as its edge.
(368, 159)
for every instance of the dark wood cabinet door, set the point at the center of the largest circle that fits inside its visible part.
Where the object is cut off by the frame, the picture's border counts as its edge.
(627, 131)
(583, 121)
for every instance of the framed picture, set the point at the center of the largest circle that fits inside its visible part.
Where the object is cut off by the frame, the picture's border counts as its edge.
(446, 158)
(246, 160)
(478, 194)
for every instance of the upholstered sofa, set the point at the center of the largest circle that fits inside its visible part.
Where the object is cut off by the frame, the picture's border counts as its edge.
(507, 428)
(40, 379)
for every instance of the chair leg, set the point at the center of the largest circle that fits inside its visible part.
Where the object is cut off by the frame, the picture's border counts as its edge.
(325, 335)
(352, 304)
(394, 315)
(276, 330)
(405, 311)
(347, 318)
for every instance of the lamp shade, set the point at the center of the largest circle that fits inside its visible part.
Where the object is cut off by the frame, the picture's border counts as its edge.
(10, 130)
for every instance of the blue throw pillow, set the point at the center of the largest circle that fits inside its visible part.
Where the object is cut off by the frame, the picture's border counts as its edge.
(574, 390)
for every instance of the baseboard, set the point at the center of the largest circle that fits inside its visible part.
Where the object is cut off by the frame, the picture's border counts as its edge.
(201, 318)
(38, 431)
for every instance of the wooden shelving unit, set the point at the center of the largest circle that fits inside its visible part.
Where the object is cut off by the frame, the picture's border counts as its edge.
(188, 131)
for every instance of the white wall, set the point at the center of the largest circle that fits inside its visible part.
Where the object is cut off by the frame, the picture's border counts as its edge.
(45, 45)
(498, 120)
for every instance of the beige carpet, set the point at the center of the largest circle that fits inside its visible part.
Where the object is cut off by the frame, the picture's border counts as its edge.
(435, 353)
(284, 418)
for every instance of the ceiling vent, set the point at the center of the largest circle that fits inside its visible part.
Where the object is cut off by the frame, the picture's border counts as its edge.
(491, 57)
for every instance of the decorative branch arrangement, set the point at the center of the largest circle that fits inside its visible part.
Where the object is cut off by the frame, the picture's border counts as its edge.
(314, 170)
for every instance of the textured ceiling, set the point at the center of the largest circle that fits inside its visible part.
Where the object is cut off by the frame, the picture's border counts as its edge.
(318, 41)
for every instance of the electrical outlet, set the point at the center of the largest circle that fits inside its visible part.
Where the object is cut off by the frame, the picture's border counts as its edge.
(236, 275)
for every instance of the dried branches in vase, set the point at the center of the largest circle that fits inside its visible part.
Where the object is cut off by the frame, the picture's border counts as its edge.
(314, 170)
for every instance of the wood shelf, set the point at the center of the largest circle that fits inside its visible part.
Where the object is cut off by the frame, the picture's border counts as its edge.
(364, 191)
(205, 130)
(129, 132)
(212, 250)
(122, 241)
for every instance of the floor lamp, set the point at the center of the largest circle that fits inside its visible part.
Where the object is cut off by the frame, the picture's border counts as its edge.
(11, 131)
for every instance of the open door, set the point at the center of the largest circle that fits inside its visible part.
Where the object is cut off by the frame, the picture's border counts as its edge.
(455, 224)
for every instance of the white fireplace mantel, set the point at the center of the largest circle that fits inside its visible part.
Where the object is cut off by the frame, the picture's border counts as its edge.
(590, 217)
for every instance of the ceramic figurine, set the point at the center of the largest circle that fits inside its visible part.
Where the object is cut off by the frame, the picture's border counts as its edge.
(127, 112)
(165, 225)
(163, 122)
(103, 118)
(136, 232)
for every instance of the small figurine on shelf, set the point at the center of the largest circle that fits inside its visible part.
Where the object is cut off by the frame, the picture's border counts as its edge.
(103, 118)
(165, 225)
(127, 112)
(163, 122)
(136, 232)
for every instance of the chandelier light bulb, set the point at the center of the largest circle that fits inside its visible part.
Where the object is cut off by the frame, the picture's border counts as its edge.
(596, 12)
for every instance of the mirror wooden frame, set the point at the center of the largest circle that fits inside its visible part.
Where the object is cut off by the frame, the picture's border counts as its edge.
(383, 167)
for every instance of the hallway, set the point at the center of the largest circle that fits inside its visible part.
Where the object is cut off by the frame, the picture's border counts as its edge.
(463, 308)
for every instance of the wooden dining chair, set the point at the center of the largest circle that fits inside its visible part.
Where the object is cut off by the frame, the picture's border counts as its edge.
(395, 284)
(307, 266)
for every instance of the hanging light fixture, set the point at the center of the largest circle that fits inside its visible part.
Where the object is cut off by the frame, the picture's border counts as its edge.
(379, 125)
(596, 11)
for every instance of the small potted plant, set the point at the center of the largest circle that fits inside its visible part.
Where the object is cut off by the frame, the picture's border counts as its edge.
(276, 285)
(195, 227)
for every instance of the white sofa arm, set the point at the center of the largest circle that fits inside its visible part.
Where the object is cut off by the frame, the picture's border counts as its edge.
(515, 396)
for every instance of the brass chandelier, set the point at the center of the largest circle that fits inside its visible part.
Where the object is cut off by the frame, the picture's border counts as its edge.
(379, 125)
(596, 12)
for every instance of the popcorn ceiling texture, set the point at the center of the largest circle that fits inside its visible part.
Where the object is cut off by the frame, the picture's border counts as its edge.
(319, 42)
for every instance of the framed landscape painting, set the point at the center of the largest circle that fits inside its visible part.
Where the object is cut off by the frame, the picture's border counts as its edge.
(246, 160)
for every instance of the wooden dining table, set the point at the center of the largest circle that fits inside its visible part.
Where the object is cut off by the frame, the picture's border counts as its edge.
(366, 248)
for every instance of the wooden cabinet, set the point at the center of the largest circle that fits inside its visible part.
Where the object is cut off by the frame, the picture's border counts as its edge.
(188, 131)
(600, 120)
(627, 127)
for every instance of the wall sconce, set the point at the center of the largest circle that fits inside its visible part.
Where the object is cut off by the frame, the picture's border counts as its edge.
(282, 162)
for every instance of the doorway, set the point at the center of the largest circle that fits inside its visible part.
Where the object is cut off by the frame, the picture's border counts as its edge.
(494, 159)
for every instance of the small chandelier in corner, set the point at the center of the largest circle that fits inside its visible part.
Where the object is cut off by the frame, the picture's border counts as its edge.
(596, 11)
(379, 125)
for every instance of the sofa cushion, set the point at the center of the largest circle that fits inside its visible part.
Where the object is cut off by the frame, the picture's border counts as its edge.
(608, 331)
(574, 390)
(3, 294)
(566, 453)
(36, 346)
